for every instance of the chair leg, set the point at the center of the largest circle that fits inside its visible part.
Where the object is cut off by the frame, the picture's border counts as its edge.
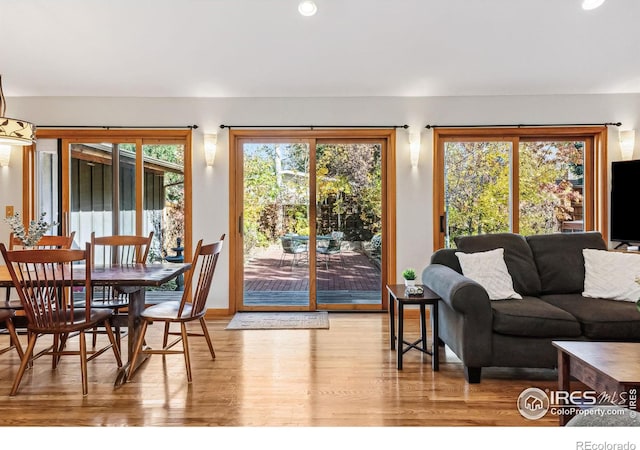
(14, 337)
(205, 332)
(165, 336)
(118, 336)
(26, 358)
(83, 362)
(137, 349)
(56, 349)
(115, 345)
(60, 343)
(94, 339)
(185, 348)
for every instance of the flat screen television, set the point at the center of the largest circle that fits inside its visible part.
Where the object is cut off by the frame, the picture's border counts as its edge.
(625, 188)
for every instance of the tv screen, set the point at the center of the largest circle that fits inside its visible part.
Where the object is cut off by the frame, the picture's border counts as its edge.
(625, 185)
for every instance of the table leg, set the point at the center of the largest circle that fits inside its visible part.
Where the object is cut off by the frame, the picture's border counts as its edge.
(564, 380)
(392, 321)
(134, 323)
(435, 354)
(400, 333)
(423, 326)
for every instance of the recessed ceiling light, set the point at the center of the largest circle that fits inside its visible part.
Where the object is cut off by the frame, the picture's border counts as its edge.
(591, 4)
(307, 8)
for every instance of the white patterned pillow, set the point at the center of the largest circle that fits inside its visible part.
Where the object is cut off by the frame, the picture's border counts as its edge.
(489, 270)
(611, 275)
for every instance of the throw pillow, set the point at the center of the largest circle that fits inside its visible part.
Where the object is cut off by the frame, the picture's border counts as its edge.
(611, 275)
(489, 270)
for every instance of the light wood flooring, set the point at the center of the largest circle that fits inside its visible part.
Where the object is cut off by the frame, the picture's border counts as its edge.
(341, 377)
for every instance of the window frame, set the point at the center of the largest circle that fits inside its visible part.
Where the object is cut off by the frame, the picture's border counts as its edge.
(238, 137)
(138, 136)
(595, 187)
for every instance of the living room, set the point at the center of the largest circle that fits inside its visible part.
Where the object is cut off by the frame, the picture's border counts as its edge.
(583, 48)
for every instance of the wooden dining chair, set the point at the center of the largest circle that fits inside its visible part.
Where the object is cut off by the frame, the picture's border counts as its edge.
(45, 281)
(45, 242)
(116, 250)
(190, 308)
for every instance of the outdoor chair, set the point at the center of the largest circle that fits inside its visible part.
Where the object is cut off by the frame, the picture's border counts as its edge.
(190, 308)
(116, 250)
(294, 247)
(45, 281)
(334, 247)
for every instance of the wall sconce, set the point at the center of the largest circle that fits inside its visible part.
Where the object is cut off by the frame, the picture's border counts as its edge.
(5, 155)
(627, 142)
(414, 147)
(210, 144)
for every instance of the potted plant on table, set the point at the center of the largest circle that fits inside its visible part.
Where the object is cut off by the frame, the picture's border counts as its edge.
(409, 276)
(37, 228)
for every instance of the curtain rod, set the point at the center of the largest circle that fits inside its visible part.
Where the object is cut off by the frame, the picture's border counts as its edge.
(108, 127)
(520, 125)
(311, 127)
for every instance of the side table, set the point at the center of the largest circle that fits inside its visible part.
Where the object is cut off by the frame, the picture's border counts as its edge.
(397, 295)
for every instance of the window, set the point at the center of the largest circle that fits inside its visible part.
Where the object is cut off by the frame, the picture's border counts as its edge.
(524, 180)
(114, 182)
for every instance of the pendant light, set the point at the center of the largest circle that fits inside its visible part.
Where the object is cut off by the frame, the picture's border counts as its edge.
(14, 131)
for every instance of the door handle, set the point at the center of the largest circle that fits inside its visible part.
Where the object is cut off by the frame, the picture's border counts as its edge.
(240, 225)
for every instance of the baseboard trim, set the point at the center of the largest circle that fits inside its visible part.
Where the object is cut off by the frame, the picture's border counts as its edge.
(223, 312)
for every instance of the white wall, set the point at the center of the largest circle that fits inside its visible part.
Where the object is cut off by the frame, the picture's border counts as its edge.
(414, 189)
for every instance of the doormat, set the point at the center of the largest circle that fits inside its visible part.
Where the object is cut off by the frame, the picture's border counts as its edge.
(279, 321)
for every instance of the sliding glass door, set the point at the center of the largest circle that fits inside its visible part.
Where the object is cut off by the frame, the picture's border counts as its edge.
(348, 223)
(122, 182)
(310, 215)
(275, 225)
(102, 189)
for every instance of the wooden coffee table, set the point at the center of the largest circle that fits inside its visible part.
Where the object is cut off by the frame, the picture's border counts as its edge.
(611, 367)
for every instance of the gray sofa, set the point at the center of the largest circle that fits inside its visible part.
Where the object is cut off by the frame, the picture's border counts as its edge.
(548, 271)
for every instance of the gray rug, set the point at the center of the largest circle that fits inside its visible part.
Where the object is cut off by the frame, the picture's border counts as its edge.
(279, 321)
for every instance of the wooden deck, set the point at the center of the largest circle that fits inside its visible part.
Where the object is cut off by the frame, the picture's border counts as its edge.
(349, 278)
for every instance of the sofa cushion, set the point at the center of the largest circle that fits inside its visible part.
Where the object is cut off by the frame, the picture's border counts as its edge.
(601, 319)
(611, 275)
(489, 270)
(517, 256)
(532, 317)
(559, 259)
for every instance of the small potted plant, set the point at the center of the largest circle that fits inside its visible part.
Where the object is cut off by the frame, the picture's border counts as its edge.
(409, 276)
(37, 228)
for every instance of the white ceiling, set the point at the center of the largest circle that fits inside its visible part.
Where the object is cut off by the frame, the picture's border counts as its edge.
(264, 48)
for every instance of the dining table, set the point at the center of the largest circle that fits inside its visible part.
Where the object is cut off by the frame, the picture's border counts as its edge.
(132, 279)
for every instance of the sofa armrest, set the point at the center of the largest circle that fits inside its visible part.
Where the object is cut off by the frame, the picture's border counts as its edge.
(462, 294)
(466, 318)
